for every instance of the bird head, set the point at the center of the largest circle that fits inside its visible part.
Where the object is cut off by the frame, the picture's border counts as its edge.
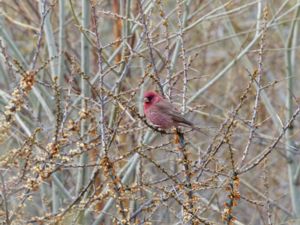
(151, 97)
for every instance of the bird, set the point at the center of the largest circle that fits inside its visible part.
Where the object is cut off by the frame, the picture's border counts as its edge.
(162, 113)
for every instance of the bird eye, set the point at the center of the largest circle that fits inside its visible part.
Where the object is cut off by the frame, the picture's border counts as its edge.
(146, 100)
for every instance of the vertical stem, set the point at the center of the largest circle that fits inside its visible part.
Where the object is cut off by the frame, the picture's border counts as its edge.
(85, 62)
(121, 31)
(61, 40)
(258, 80)
(182, 23)
(178, 46)
(54, 72)
(292, 159)
(4, 196)
(117, 26)
(85, 93)
(50, 43)
(186, 163)
(150, 47)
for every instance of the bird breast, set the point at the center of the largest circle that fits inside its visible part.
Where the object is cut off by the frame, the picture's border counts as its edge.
(159, 119)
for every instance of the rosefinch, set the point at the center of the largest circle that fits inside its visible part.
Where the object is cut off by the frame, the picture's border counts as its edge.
(161, 113)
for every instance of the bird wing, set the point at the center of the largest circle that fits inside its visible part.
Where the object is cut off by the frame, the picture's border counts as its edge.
(167, 108)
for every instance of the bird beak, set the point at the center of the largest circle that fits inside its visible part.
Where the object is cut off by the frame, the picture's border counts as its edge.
(146, 100)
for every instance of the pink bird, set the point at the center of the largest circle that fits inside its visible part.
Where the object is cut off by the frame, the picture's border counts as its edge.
(161, 113)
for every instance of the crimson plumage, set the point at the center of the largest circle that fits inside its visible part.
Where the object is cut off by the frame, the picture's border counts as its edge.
(161, 113)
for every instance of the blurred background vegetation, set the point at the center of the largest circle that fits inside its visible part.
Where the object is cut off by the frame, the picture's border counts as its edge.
(76, 148)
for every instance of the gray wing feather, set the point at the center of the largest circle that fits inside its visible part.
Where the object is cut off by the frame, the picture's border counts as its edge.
(169, 109)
